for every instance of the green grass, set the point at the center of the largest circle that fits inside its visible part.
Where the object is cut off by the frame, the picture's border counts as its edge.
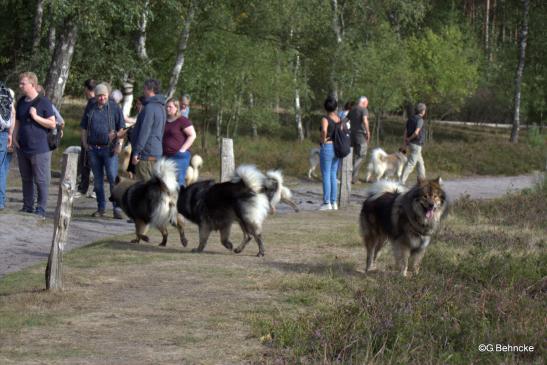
(455, 150)
(473, 289)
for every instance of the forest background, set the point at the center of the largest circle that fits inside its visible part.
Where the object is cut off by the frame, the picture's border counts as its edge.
(264, 67)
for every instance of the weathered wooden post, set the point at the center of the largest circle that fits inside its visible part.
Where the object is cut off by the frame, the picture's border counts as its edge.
(345, 180)
(227, 161)
(63, 213)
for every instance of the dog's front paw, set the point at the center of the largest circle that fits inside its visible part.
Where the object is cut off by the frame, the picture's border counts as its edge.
(228, 245)
(238, 250)
(260, 254)
(145, 238)
(184, 242)
(136, 240)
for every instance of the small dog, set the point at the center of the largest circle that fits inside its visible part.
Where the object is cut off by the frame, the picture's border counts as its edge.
(314, 162)
(152, 202)
(407, 218)
(192, 173)
(277, 192)
(215, 206)
(382, 165)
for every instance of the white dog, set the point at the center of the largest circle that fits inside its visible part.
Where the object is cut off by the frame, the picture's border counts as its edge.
(382, 165)
(192, 173)
(277, 192)
(314, 162)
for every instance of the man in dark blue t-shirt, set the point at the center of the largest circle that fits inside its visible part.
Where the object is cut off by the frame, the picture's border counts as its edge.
(101, 125)
(33, 118)
(414, 138)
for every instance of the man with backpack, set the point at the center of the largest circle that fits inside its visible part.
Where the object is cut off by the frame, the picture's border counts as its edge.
(360, 135)
(33, 119)
(7, 123)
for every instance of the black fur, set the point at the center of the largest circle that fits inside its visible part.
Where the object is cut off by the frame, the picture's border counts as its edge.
(215, 206)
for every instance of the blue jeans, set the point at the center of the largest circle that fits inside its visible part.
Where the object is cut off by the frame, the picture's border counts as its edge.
(329, 166)
(183, 161)
(102, 160)
(5, 159)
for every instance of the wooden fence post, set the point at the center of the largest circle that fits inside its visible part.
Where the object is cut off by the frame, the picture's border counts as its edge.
(63, 213)
(227, 161)
(345, 180)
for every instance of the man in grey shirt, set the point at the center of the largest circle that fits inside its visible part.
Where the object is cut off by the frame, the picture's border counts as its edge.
(360, 135)
(414, 138)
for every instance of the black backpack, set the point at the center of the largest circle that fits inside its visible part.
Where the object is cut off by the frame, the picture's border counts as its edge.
(340, 138)
(53, 135)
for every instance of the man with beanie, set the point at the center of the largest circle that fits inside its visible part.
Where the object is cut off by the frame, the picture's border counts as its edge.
(101, 125)
(147, 136)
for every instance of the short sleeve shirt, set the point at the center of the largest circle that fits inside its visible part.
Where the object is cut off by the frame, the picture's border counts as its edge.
(32, 136)
(174, 136)
(355, 117)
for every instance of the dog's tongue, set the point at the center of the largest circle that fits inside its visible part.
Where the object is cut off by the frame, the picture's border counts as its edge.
(429, 214)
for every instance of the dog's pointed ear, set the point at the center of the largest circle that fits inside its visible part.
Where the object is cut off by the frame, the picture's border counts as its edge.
(439, 181)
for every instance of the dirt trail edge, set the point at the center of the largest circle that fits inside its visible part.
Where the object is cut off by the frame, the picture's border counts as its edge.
(25, 240)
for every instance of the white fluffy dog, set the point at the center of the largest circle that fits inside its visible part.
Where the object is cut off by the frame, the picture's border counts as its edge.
(192, 173)
(382, 165)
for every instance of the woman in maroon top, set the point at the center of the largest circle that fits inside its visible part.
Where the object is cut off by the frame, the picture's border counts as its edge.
(178, 136)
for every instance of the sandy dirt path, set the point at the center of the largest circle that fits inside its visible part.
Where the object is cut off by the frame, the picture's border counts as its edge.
(25, 240)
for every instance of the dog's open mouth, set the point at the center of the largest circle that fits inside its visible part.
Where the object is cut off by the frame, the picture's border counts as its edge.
(429, 212)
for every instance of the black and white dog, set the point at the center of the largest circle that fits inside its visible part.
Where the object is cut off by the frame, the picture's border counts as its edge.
(152, 202)
(215, 206)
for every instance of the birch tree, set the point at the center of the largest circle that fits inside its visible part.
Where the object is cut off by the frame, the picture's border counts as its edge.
(523, 38)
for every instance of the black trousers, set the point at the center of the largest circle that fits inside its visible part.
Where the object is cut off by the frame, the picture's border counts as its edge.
(83, 171)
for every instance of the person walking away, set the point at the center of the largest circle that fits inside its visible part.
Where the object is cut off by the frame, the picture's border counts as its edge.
(360, 135)
(33, 118)
(327, 159)
(178, 137)
(414, 138)
(7, 123)
(100, 127)
(147, 136)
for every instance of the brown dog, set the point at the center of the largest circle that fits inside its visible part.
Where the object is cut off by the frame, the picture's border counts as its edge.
(407, 218)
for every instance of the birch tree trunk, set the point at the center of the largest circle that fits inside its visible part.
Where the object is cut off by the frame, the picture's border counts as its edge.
(520, 71)
(38, 17)
(175, 73)
(51, 38)
(297, 109)
(486, 25)
(254, 126)
(127, 90)
(141, 40)
(59, 68)
(339, 37)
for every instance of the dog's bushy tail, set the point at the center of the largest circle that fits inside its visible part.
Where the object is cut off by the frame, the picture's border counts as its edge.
(251, 177)
(166, 171)
(383, 186)
(378, 153)
(196, 162)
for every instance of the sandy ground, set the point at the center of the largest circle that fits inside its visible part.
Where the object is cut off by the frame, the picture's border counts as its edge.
(25, 240)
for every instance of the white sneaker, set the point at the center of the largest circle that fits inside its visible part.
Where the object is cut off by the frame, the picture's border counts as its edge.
(334, 206)
(77, 195)
(326, 206)
(91, 195)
